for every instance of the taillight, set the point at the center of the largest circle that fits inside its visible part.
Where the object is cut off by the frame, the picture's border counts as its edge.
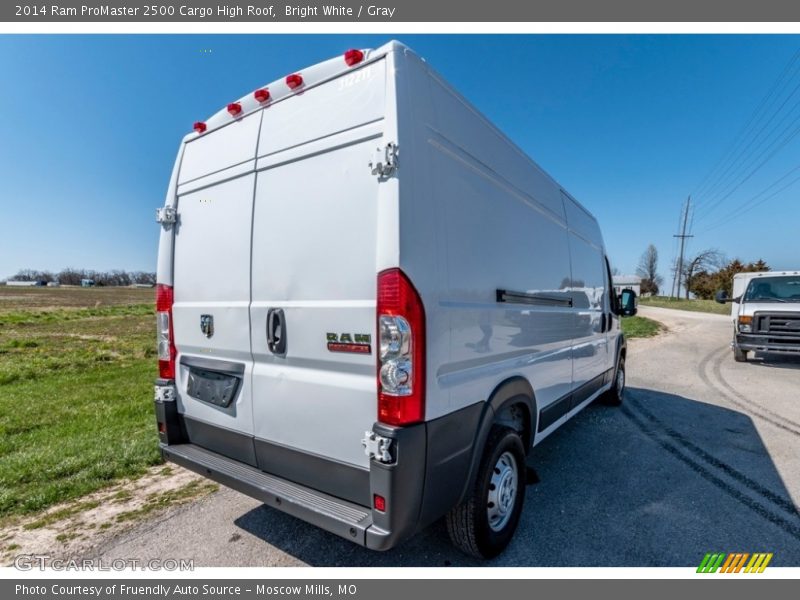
(353, 57)
(294, 80)
(261, 95)
(401, 350)
(234, 108)
(166, 340)
(199, 127)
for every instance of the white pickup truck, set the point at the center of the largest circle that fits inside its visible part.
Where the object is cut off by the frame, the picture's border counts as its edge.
(765, 309)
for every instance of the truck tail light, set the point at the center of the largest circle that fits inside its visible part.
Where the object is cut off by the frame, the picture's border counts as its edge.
(401, 352)
(234, 108)
(166, 339)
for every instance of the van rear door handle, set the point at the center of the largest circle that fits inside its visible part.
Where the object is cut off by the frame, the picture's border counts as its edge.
(276, 331)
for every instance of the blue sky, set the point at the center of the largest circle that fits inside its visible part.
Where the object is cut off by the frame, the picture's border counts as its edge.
(630, 125)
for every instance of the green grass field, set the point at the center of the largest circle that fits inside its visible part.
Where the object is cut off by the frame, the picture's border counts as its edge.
(637, 327)
(709, 306)
(76, 374)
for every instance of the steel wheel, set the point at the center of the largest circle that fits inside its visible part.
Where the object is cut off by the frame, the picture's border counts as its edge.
(502, 491)
(483, 523)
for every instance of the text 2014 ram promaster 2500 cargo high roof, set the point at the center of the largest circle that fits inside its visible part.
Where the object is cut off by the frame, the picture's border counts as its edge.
(371, 305)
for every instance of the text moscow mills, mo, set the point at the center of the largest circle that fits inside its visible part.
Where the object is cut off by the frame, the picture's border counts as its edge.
(288, 11)
(187, 590)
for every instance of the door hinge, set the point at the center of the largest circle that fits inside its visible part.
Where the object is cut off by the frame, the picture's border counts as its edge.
(377, 447)
(165, 393)
(166, 215)
(384, 160)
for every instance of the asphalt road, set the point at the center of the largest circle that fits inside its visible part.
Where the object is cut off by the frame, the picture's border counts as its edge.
(702, 457)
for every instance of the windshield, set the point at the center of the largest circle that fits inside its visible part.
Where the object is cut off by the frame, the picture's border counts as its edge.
(773, 289)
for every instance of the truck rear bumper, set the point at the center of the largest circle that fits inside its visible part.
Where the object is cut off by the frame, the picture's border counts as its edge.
(335, 515)
(421, 482)
(764, 343)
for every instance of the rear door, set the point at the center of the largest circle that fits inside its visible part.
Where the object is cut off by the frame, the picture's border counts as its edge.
(314, 271)
(212, 273)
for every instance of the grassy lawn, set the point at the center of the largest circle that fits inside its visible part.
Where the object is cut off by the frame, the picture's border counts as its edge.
(76, 373)
(709, 306)
(637, 327)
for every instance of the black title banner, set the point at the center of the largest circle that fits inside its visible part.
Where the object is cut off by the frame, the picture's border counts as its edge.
(471, 11)
(388, 589)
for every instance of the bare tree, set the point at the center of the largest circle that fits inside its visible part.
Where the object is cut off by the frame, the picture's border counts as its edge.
(648, 271)
(704, 261)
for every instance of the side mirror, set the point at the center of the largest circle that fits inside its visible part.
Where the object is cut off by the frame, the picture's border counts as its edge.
(627, 303)
(721, 296)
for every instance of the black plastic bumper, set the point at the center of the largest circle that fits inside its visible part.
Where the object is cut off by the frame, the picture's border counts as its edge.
(764, 343)
(428, 473)
(400, 483)
(338, 516)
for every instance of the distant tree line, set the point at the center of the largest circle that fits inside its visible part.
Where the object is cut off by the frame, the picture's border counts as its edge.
(705, 282)
(709, 271)
(702, 274)
(71, 276)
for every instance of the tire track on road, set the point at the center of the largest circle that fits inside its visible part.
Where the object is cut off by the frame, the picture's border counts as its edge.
(767, 494)
(707, 473)
(725, 390)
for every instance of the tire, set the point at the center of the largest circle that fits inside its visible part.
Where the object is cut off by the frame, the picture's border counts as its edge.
(484, 523)
(616, 394)
(739, 355)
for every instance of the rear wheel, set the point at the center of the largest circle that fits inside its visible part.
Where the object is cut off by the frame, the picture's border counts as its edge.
(739, 355)
(484, 523)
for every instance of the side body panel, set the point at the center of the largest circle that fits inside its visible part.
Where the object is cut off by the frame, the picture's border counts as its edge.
(478, 216)
(489, 219)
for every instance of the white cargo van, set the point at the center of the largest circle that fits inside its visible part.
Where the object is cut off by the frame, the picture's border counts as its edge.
(371, 305)
(765, 309)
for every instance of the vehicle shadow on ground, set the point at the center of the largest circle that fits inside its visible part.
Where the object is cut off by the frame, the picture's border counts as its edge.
(660, 481)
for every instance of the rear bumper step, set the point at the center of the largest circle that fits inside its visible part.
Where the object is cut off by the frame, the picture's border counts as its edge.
(343, 518)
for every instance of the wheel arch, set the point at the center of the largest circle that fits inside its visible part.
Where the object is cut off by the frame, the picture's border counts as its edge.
(511, 400)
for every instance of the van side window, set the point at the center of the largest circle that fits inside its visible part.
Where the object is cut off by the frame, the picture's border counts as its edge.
(588, 280)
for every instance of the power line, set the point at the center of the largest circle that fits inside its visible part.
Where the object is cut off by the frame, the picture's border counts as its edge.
(764, 101)
(747, 177)
(709, 207)
(750, 143)
(744, 208)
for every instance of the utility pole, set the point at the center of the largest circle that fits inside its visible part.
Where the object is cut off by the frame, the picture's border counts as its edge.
(676, 282)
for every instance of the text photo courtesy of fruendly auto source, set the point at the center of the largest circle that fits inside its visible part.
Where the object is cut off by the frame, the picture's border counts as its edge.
(409, 300)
